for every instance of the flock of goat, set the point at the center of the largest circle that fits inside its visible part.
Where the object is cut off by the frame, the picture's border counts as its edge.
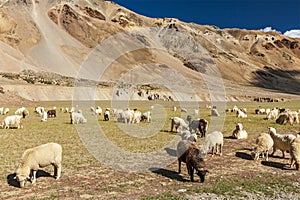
(187, 150)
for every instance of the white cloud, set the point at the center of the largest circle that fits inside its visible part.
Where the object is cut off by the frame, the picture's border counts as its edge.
(269, 29)
(293, 33)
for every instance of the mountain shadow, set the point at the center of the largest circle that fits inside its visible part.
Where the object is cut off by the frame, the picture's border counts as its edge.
(278, 80)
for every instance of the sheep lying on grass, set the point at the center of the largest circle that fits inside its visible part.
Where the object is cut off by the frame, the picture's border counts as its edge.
(38, 157)
(188, 153)
(264, 143)
(239, 132)
(295, 153)
(213, 142)
(281, 142)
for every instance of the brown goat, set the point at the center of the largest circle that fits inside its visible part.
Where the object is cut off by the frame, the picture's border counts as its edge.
(188, 153)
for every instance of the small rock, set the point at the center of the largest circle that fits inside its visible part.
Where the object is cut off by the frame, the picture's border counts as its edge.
(182, 190)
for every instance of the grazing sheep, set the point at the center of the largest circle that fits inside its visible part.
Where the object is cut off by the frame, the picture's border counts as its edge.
(137, 115)
(268, 110)
(200, 124)
(39, 157)
(264, 143)
(106, 114)
(44, 116)
(241, 114)
(283, 118)
(213, 141)
(1, 110)
(235, 109)
(239, 132)
(77, 118)
(294, 117)
(98, 110)
(20, 111)
(188, 153)
(174, 109)
(6, 110)
(260, 111)
(126, 116)
(184, 110)
(214, 112)
(117, 114)
(273, 114)
(51, 113)
(146, 116)
(187, 135)
(295, 153)
(39, 110)
(12, 121)
(281, 142)
(179, 124)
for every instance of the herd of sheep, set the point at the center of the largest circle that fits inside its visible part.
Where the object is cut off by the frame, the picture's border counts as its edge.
(187, 149)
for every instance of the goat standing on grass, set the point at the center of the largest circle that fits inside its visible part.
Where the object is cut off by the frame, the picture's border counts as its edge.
(188, 153)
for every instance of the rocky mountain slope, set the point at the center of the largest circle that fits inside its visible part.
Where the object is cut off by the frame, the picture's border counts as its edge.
(129, 53)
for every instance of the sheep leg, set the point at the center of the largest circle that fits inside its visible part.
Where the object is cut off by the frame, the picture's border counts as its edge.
(267, 156)
(221, 153)
(57, 171)
(179, 166)
(33, 176)
(190, 171)
(283, 155)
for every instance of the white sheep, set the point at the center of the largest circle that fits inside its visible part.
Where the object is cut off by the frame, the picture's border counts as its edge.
(6, 110)
(127, 116)
(295, 153)
(77, 118)
(137, 115)
(214, 112)
(106, 114)
(273, 114)
(98, 110)
(179, 124)
(260, 111)
(213, 142)
(20, 111)
(39, 110)
(12, 121)
(235, 109)
(146, 116)
(281, 142)
(39, 157)
(44, 116)
(239, 132)
(264, 143)
(241, 114)
(187, 135)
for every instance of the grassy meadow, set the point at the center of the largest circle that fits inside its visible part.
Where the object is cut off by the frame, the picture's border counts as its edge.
(84, 177)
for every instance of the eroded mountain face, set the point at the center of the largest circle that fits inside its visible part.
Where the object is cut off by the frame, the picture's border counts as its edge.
(62, 36)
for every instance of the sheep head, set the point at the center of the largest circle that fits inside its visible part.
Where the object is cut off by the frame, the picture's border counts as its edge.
(239, 126)
(201, 174)
(272, 130)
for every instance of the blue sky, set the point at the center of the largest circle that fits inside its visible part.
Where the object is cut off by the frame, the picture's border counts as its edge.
(281, 15)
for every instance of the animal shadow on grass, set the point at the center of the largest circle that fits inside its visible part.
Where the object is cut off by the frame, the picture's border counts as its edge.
(275, 165)
(243, 155)
(171, 152)
(169, 174)
(12, 181)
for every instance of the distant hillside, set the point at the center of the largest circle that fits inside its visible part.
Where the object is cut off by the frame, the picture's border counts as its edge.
(60, 37)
